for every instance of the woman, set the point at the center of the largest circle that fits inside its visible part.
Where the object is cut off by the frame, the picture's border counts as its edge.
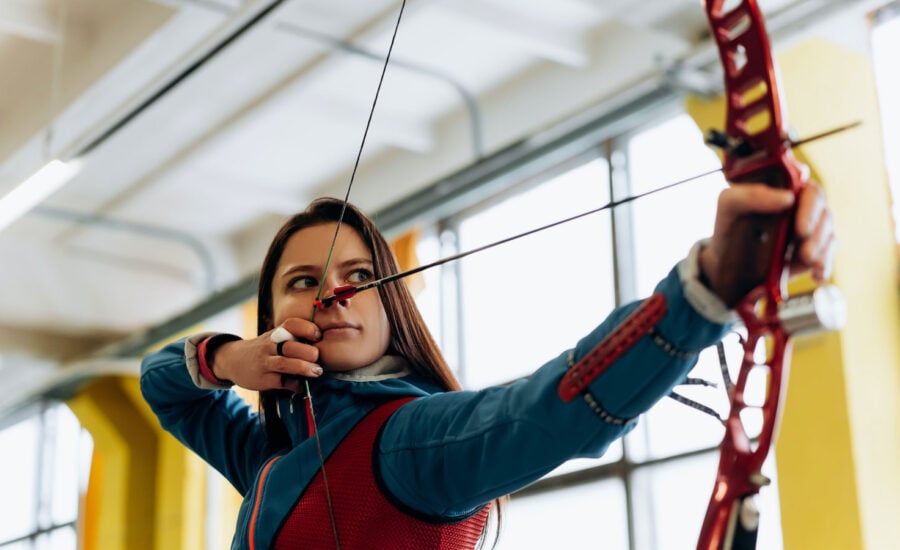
(409, 462)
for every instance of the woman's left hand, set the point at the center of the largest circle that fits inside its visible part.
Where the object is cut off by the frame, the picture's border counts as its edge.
(815, 242)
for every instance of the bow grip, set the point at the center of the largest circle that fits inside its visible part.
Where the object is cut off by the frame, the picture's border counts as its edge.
(761, 242)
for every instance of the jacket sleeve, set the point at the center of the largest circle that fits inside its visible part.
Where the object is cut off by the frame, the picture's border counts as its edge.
(217, 424)
(448, 454)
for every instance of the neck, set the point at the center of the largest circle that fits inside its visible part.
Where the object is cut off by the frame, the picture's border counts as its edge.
(387, 367)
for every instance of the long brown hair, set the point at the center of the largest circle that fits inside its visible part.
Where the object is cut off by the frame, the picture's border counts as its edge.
(410, 337)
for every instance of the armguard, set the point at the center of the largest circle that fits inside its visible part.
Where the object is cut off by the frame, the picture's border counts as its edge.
(604, 354)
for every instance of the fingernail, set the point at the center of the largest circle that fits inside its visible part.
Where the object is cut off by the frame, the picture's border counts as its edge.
(317, 371)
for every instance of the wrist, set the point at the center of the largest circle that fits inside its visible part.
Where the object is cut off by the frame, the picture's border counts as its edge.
(704, 264)
(698, 289)
(206, 353)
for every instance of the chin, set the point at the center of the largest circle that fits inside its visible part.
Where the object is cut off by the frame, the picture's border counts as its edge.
(342, 360)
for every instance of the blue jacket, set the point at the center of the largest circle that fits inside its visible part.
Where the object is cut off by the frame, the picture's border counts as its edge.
(445, 454)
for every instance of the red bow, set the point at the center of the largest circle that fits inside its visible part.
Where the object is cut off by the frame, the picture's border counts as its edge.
(757, 149)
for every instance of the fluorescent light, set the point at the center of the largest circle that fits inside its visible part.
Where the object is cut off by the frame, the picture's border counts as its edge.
(35, 189)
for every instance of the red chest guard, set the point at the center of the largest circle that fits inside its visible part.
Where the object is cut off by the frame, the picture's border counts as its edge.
(365, 518)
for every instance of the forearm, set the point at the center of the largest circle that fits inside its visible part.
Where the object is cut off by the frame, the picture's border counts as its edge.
(215, 423)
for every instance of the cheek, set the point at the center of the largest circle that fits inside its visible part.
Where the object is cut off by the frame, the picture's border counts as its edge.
(286, 306)
(384, 332)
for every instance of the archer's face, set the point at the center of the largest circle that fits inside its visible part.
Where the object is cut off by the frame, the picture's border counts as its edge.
(355, 332)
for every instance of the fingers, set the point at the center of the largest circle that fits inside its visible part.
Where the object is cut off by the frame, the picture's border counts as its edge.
(296, 358)
(814, 227)
(302, 329)
(816, 251)
(811, 207)
(814, 230)
(293, 354)
(754, 198)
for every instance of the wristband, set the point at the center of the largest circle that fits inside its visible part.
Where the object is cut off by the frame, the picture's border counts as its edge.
(205, 351)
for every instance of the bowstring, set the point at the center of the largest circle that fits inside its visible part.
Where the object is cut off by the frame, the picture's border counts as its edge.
(328, 258)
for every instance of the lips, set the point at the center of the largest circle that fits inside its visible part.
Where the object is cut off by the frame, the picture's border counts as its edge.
(337, 327)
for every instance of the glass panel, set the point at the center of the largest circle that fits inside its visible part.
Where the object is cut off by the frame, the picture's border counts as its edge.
(18, 478)
(885, 45)
(591, 515)
(667, 224)
(670, 502)
(85, 458)
(428, 298)
(65, 466)
(59, 539)
(547, 289)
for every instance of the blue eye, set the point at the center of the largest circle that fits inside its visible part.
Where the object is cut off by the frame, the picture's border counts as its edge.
(304, 282)
(360, 276)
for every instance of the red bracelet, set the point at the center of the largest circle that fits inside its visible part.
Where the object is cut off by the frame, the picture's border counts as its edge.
(205, 371)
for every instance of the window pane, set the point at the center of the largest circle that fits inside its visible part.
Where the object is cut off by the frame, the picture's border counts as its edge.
(59, 539)
(583, 516)
(670, 501)
(547, 289)
(667, 224)
(428, 298)
(66, 466)
(885, 45)
(18, 478)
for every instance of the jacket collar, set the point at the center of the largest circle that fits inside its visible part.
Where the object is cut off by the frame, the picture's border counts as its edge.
(385, 368)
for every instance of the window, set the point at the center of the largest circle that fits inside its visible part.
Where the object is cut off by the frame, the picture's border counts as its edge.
(43, 473)
(554, 281)
(650, 491)
(885, 45)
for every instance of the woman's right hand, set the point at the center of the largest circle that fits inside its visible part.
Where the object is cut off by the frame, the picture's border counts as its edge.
(256, 365)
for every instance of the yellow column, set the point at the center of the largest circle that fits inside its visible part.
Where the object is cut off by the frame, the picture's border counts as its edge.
(146, 490)
(838, 453)
(180, 504)
(121, 493)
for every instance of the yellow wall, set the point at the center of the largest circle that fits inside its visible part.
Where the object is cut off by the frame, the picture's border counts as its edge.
(838, 453)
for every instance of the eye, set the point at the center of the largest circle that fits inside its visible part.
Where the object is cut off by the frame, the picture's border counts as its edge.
(303, 282)
(359, 276)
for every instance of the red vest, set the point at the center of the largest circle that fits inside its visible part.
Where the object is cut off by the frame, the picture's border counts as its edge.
(365, 518)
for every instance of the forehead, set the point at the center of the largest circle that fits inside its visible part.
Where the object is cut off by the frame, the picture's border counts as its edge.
(310, 245)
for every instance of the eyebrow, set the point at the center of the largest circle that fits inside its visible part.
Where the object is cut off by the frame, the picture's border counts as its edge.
(311, 268)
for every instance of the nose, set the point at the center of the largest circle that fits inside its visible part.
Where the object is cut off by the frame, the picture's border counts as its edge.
(340, 295)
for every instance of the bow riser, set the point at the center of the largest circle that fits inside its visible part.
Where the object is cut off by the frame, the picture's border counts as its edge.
(757, 150)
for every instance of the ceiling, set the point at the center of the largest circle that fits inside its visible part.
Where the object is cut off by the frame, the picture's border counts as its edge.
(199, 125)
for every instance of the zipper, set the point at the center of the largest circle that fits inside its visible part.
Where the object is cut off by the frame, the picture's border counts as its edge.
(259, 490)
